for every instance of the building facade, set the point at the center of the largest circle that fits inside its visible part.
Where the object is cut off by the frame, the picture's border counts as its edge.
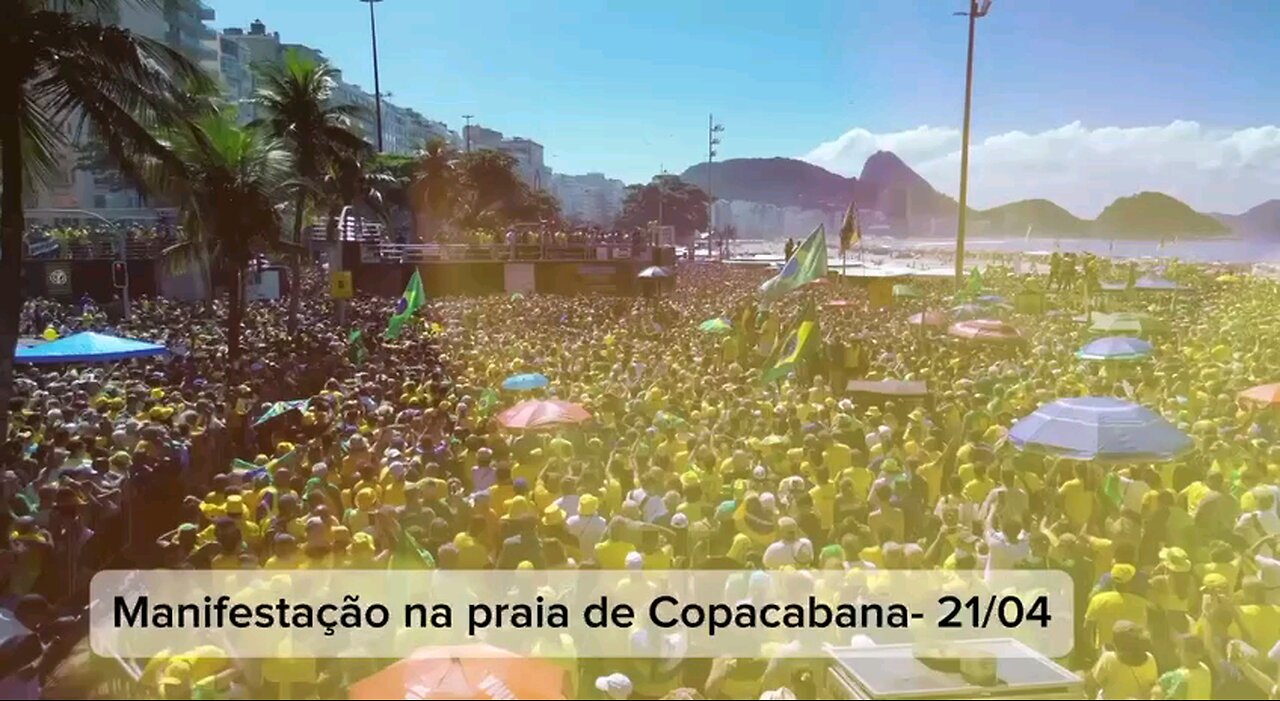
(530, 163)
(589, 199)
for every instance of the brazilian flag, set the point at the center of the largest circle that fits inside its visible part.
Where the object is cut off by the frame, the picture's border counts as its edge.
(410, 301)
(355, 347)
(801, 342)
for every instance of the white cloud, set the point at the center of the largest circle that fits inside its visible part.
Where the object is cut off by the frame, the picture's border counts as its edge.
(1083, 169)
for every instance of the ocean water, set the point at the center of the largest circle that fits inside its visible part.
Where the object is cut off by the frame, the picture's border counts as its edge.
(1223, 250)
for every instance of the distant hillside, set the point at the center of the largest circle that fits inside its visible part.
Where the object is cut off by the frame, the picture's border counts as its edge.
(1154, 214)
(1261, 220)
(1042, 216)
(891, 186)
(905, 203)
(783, 182)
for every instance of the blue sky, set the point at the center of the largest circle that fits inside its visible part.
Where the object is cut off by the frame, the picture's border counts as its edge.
(625, 87)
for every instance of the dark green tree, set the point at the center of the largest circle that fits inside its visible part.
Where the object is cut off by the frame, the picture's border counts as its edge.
(62, 73)
(684, 206)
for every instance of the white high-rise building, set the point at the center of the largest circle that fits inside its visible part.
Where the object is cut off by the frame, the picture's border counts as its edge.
(590, 198)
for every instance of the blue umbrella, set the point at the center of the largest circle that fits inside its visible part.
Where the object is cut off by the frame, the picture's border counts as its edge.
(1099, 428)
(1115, 348)
(530, 380)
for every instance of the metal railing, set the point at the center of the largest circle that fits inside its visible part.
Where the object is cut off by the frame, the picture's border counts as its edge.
(49, 249)
(437, 252)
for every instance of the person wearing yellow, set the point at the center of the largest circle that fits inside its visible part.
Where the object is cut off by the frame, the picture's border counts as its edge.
(1109, 607)
(611, 553)
(1078, 497)
(1128, 671)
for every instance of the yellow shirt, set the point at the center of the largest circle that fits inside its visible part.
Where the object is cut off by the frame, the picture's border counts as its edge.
(1261, 623)
(862, 479)
(824, 501)
(931, 473)
(1108, 607)
(837, 457)
(1077, 502)
(1120, 681)
(977, 490)
(612, 554)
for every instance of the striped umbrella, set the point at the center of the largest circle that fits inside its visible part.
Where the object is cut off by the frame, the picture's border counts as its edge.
(543, 413)
(1099, 428)
(934, 319)
(1115, 348)
(986, 331)
(1262, 395)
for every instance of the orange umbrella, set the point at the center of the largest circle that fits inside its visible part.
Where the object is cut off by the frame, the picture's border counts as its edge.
(1262, 395)
(987, 330)
(543, 413)
(935, 319)
(463, 672)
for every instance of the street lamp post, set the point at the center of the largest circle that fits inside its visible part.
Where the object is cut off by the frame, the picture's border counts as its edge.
(713, 140)
(976, 10)
(466, 131)
(377, 88)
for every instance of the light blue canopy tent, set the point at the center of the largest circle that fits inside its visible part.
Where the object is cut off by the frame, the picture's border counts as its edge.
(527, 381)
(88, 347)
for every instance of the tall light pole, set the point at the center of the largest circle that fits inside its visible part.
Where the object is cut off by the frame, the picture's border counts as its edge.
(976, 10)
(466, 131)
(377, 87)
(712, 141)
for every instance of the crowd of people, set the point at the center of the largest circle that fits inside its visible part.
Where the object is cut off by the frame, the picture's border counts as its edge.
(691, 460)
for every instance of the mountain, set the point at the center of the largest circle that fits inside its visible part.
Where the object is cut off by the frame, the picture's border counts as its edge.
(889, 185)
(778, 197)
(782, 182)
(1154, 214)
(1043, 217)
(1261, 220)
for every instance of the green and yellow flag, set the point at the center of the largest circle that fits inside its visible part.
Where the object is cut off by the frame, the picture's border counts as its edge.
(800, 343)
(355, 347)
(806, 264)
(410, 301)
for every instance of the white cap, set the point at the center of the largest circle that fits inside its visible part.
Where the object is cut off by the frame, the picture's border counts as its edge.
(778, 694)
(680, 521)
(616, 685)
(759, 472)
(635, 561)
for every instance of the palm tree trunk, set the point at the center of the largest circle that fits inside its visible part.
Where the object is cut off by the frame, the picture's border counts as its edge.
(295, 264)
(235, 317)
(12, 227)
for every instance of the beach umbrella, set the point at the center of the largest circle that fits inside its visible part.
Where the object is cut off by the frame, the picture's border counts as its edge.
(888, 388)
(87, 347)
(934, 319)
(654, 271)
(1115, 348)
(986, 330)
(1128, 322)
(973, 310)
(1099, 428)
(476, 671)
(526, 381)
(1262, 395)
(543, 413)
(905, 291)
(716, 325)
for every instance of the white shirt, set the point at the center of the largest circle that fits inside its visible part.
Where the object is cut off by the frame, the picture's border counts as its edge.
(1269, 573)
(1003, 555)
(568, 504)
(781, 553)
(587, 529)
(651, 506)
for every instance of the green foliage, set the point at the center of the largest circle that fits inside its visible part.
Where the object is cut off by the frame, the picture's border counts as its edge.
(684, 205)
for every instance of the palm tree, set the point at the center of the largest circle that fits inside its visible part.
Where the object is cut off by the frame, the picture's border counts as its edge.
(435, 184)
(231, 177)
(60, 74)
(296, 99)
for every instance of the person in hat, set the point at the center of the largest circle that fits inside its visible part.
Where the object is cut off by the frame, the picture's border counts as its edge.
(1128, 671)
(1119, 603)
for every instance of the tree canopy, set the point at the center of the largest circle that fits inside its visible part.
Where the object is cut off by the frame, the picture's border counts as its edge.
(684, 205)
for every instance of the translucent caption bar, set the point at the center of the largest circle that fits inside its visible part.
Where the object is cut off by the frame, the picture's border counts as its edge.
(650, 614)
